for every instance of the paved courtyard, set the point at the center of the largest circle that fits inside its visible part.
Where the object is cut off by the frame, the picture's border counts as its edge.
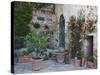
(47, 66)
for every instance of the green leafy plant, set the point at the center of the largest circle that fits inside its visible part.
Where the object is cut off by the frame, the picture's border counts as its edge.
(75, 34)
(90, 58)
(46, 57)
(89, 25)
(38, 40)
(79, 54)
(22, 17)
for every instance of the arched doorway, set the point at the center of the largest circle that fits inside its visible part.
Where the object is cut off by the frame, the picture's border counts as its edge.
(62, 31)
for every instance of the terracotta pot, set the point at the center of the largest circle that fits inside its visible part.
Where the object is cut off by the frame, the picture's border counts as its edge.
(36, 64)
(24, 59)
(60, 57)
(77, 63)
(91, 64)
(84, 61)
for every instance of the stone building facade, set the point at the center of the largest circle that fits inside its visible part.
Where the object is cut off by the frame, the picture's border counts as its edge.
(44, 16)
(73, 10)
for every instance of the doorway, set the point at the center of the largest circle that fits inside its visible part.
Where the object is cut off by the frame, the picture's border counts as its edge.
(62, 32)
(90, 50)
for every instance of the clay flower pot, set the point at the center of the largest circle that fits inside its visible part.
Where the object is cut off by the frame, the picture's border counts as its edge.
(36, 64)
(91, 64)
(24, 59)
(77, 62)
(60, 57)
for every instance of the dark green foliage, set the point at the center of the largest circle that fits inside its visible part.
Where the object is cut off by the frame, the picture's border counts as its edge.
(50, 54)
(19, 42)
(88, 29)
(30, 50)
(79, 54)
(90, 58)
(27, 52)
(76, 25)
(46, 57)
(22, 17)
(36, 25)
(80, 21)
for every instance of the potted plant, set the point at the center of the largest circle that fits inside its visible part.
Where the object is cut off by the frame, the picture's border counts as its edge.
(78, 59)
(39, 40)
(60, 55)
(90, 62)
(25, 57)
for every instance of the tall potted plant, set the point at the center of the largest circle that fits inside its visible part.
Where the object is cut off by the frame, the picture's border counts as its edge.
(39, 40)
(75, 28)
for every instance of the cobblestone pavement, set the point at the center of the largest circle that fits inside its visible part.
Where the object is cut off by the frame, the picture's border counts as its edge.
(47, 66)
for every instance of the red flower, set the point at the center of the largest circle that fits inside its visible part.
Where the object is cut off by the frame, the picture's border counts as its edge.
(83, 27)
(87, 19)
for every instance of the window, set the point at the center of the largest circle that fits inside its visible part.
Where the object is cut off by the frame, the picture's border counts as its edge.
(40, 18)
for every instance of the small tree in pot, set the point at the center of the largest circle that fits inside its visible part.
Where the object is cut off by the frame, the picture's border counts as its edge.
(39, 40)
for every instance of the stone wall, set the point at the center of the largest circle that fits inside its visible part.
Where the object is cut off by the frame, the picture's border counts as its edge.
(52, 20)
(44, 17)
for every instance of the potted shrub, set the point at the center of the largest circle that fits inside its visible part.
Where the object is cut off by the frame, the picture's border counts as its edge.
(60, 55)
(25, 57)
(78, 59)
(90, 62)
(39, 40)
